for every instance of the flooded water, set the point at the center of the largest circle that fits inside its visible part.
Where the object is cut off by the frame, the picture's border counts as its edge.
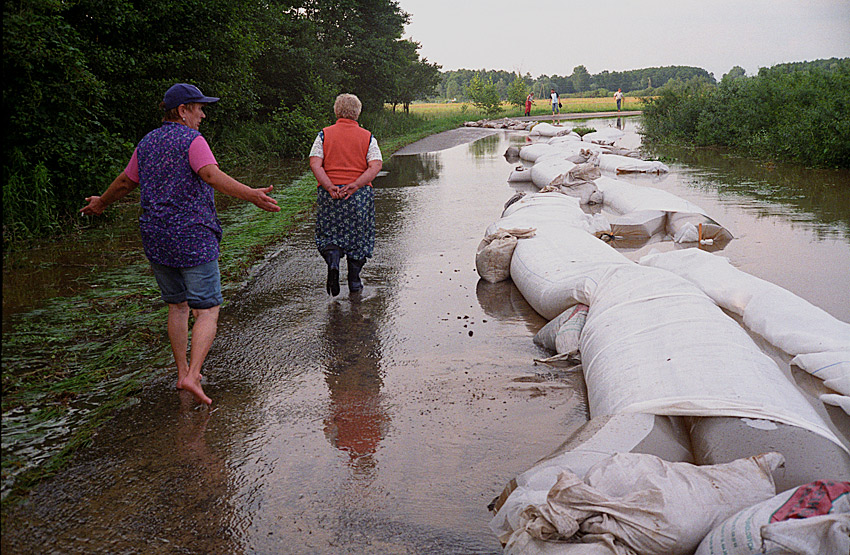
(387, 423)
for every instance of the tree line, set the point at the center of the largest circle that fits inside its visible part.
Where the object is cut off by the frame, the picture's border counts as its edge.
(83, 80)
(454, 85)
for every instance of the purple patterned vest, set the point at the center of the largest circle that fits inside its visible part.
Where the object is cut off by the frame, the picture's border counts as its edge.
(178, 223)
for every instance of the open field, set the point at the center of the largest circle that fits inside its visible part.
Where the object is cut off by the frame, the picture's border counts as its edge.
(541, 106)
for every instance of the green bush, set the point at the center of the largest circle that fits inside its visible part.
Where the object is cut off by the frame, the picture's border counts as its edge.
(791, 112)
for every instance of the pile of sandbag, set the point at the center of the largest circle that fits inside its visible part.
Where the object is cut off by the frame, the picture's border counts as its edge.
(645, 211)
(635, 503)
(691, 421)
(504, 123)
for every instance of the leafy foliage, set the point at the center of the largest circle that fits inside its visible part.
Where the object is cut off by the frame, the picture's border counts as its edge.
(83, 80)
(518, 91)
(793, 111)
(484, 96)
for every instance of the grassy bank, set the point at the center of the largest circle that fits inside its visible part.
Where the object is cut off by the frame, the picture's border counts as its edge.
(71, 363)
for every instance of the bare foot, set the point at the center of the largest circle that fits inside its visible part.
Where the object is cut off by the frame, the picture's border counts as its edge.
(194, 387)
(181, 380)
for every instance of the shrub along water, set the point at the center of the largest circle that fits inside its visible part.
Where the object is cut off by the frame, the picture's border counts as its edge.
(794, 112)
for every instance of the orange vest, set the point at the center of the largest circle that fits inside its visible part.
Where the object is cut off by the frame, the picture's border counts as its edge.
(345, 147)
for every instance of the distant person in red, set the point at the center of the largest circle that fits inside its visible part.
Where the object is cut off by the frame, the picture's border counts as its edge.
(528, 102)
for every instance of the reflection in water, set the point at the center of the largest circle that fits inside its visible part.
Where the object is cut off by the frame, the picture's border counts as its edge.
(486, 146)
(503, 301)
(823, 193)
(404, 171)
(357, 419)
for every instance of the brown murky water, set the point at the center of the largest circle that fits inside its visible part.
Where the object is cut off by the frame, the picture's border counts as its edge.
(386, 424)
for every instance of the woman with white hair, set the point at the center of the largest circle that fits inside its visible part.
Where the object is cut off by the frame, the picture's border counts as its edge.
(345, 158)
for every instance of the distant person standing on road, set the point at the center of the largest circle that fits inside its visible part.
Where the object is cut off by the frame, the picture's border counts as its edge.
(556, 102)
(618, 96)
(345, 158)
(528, 102)
(177, 176)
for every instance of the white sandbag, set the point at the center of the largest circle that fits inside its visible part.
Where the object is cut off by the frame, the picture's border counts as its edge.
(624, 197)
(567, 150)
(693, 361)
(641, 224)
(625, 164)
(580, 173)
(686, 227)
(552, 206)
(606, 135)
(651, 506)
(808, 456)
(545, 172)
(493, 257)
(590, 444)
(530, 153)
(548, 130)
(562, 333)
(523, 543)
(585, 191)
(570, 137)
(812, 536)
(787, 321)
(559, 267)
(752, 530)
(544, 206)
(519, 174)
(836, 400)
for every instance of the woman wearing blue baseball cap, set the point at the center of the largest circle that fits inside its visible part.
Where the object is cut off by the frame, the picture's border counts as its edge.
(177, 176)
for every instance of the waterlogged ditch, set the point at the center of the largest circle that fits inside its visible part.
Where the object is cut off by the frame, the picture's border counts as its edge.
(386, 424)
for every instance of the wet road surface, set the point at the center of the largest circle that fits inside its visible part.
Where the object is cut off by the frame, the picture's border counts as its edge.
(379, 424)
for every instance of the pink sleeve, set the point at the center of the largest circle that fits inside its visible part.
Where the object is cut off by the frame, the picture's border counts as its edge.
(132, 169)
(200, 154)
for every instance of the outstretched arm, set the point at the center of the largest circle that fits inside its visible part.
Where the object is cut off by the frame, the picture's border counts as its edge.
(223, 183)
(117, 190)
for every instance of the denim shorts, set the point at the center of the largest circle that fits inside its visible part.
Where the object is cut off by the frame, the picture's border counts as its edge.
(200, 286)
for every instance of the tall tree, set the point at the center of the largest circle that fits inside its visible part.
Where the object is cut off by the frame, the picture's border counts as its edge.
(580, 79)
(517, 91)
(414, 78)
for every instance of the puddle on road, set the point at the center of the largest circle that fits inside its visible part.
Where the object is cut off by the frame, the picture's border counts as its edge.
(379, 424)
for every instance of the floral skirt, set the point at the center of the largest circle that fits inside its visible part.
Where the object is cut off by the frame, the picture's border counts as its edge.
(349, 224)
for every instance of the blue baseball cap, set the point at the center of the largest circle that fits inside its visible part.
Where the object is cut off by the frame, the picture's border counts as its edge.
(184, 93)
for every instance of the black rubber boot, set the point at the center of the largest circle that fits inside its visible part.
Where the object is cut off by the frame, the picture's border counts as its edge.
(354, 267)
(332, 254)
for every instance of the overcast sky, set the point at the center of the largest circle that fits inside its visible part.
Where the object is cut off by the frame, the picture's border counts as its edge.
(552, 37)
